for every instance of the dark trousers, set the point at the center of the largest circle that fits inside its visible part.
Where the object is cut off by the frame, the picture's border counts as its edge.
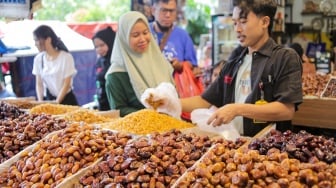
(69, 99)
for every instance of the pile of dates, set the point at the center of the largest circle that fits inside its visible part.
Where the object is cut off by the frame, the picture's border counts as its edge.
(302, 145)
(8, 111)
(154, 161)
(330, 90)
(313, 85)
(18, 133)
(223, 167)
(60, 155)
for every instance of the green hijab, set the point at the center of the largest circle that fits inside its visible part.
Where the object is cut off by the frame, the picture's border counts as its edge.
(146, 70)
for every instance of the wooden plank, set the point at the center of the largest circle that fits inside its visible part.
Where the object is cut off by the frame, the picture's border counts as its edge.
(319, 113)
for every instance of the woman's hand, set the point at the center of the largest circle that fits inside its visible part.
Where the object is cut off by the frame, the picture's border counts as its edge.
(163, 98)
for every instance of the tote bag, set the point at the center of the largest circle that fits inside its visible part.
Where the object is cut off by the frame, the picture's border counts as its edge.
(187, 85)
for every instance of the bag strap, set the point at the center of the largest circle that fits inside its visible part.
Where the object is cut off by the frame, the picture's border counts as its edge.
(165, 37)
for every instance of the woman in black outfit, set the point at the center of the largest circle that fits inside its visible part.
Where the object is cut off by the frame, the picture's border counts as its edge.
(103, 41)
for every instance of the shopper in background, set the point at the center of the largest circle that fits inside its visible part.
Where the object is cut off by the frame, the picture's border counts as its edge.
(136, 64)
(261, 82)
(174, 42)
(205, 61)
(4, 92)
(178, 48)
(210, 74)
(54, 68)
(103, 42)
(215, 70)
(308, 68)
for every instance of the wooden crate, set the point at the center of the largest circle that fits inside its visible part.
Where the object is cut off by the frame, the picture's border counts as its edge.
(319, 113)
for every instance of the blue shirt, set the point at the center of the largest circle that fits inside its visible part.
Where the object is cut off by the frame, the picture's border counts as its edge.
(179, 45)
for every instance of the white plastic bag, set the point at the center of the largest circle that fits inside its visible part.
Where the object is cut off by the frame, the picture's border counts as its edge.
(200, 118)
(166, 97)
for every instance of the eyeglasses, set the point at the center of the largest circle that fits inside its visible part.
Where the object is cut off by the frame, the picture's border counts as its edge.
(166, 10)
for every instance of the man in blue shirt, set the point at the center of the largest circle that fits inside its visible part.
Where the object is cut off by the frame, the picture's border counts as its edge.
(175, 42)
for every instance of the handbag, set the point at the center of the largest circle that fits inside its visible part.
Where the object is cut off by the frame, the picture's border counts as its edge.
(187, 85)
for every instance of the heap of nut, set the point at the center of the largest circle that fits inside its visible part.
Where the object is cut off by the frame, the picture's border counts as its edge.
(313, 85)
(8, 111)
(60, 155)
(155, 161)
(330, 90)
(53, 109)
(85, 115)
(302, 145)
(224, 167)
(18, 133)
(147, 121)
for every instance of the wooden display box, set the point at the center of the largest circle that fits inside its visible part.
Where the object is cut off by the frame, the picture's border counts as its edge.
(319, 113)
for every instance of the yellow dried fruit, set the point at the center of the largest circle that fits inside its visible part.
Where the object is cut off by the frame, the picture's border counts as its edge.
(146, 121)
(53, 109)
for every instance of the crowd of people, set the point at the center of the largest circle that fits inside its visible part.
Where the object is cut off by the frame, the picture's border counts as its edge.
(140, 55)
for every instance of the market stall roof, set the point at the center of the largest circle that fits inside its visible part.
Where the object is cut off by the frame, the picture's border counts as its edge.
(88, 29)
(19, 34)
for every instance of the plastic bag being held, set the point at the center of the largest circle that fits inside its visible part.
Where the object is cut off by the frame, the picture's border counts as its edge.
(163, 99)
(200, 118)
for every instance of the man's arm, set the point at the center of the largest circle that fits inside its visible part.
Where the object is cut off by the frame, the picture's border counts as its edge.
(191, 103)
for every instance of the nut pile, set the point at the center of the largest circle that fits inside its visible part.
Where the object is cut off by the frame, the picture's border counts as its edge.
(22, 104)
(61, 155)
(224, 167)
(313, 85)
(16, 134)
(53, 109)
(85, 115)
(154, 161)
(330, 90)
(303, 145)
(147, 121)
(9, 111)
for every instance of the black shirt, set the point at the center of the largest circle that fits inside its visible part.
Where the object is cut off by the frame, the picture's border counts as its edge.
(278, 68)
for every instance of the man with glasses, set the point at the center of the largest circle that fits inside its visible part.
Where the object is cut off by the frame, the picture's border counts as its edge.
(175, 42)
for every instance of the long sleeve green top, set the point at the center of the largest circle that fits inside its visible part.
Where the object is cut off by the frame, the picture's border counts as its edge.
(120, 93)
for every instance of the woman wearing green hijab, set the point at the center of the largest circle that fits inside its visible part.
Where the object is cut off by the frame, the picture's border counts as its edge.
(136, 64)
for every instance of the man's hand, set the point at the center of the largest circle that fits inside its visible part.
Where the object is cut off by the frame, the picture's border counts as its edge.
(197, 71)
(177, 65)
(223, 115)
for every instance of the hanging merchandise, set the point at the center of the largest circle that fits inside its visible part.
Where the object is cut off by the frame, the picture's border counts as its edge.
(313, 48)
(18, 9)
(15, 9)
(323, 62)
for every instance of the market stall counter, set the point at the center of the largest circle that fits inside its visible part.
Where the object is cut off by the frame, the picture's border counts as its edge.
(86, 155)
(316, 113)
